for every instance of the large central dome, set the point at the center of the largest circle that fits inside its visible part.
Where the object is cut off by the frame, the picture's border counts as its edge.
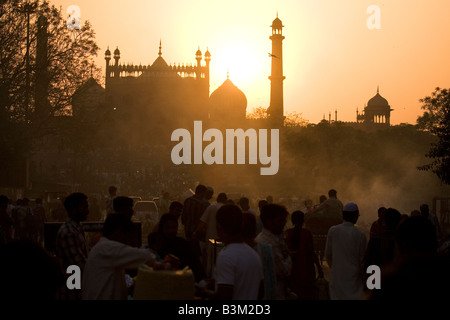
(228, 102)
(378, 102)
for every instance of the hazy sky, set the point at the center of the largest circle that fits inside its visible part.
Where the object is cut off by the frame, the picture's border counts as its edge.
(331, 59)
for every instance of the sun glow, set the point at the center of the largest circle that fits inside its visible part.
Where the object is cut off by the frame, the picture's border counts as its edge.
(242, 62)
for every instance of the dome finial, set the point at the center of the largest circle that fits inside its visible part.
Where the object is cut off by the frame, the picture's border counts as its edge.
(160, 47)
(378, 89)
(228, 73)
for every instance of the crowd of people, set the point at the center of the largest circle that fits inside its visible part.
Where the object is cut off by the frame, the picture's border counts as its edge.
(234, 252)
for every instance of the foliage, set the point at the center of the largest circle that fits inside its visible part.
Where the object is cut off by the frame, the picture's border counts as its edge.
(292, 119)
(295, 119)
(434, 109)
(436, 119)
(258, 113)
(69, 62)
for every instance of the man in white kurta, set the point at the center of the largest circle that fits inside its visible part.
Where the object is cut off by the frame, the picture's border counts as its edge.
(104, 273)
(344, 252)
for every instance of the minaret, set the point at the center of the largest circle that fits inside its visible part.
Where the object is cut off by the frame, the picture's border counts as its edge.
(276, 110)
(116, 63)
(108, 67)
(198, 57)
(207, 61)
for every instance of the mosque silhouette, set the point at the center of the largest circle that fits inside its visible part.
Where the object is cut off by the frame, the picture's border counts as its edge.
(162, 97)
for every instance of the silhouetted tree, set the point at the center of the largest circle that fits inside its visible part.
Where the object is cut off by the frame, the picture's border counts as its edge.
(436, 119)
(69, 59)
(292, 119)
(295, 119)
(434, 109)
(258, 113)
(66, 62)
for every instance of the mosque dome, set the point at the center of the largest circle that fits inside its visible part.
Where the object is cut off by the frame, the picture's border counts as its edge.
(378, 102)
(228, 102)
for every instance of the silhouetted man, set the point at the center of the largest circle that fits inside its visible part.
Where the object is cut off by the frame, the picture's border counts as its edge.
(208, 230)
(71, 248)
(244, 203)
(123, 205)
(425, 211)
(327, 214)
(104, 275)
(418, 273)
(239, 270)
(193, 209)
(331, 207)
(274, 218)
(344, 252)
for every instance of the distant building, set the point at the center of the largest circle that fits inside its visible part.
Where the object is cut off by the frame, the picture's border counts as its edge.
(377, 111)
(376, 115)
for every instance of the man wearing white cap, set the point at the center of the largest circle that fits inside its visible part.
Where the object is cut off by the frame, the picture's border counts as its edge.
(344, 252)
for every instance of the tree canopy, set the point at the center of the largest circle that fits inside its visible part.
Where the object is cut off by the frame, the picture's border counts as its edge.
(436, 119)
(37, 81)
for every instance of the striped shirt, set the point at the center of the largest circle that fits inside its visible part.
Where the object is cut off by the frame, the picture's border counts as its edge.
(192, 211)
(71, 249)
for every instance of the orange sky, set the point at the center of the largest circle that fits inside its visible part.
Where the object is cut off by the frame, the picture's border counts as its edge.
(331, 59)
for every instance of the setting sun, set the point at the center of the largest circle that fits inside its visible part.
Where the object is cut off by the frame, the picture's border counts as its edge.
(244, 63)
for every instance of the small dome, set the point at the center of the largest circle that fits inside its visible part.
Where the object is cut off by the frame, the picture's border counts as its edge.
(277, 24)
(207, 54)
(198, 53)
(378, 101)
(107, 52)
(116, 52)
(228, 102)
